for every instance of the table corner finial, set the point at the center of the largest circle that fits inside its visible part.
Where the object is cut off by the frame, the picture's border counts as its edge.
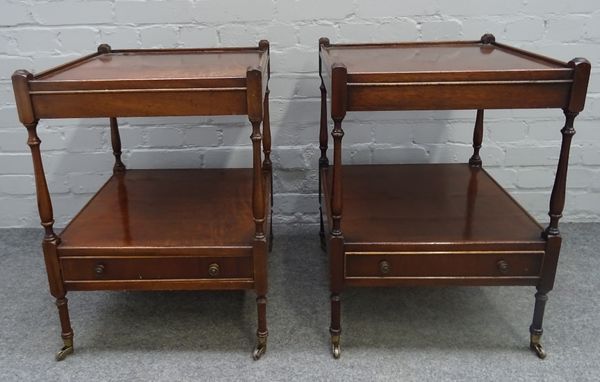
(488, 38)
(263, 44)
(104, 48)
(22, 73)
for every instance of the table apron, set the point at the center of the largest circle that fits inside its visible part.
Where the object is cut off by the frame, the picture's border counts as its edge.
(460, 264)
(458, 95)
(139, 102)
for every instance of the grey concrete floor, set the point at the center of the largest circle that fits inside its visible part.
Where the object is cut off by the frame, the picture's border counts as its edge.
(457, 333)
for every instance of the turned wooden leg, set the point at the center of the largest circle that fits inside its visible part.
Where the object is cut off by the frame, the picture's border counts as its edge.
(536, 329)
(66, 330)
(552, 235)
(335, 327)
(336, 242)
(51, 240)
(256, 115)
(262, 333)
(336, 263)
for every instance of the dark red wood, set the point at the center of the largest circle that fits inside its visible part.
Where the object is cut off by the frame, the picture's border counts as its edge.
(430, 207)
(115, 139)
(477, 139)
(154, 267)
(439, 224)
(158, 229)
(323, 161)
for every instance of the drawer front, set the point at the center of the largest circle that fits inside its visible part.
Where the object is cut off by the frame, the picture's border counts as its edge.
(155, 268)
(447, 264)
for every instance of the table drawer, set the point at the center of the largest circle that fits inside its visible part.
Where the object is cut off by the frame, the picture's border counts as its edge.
(444, 264)
(155, 268)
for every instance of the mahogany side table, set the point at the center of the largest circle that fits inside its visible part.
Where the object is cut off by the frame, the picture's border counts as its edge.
(439, 224)
(173, 229)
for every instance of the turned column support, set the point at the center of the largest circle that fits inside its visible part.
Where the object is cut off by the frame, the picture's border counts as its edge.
(256, 101)
(20, 81)
(115, 139)
(266, 140)
(576, 103)
(557, 199)
(323, 161)
(338, 112)
(336, 242)
(581, 73)
(255, 115)
(267, 164)
(41, 186)
(475, 160)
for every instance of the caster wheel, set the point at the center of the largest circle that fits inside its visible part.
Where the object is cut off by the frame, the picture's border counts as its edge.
(335, 351)
(539, 350)
(63, 353)
(259, 350)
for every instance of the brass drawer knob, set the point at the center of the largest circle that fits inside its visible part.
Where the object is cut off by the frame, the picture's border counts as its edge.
(502, 266)
(99, 270)
(384, 267)
(213, 270)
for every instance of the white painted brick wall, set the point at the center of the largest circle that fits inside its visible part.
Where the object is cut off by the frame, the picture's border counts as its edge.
(520, 146)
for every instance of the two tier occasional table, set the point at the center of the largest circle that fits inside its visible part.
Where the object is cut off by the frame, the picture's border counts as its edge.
(183, 229)
(439, 224)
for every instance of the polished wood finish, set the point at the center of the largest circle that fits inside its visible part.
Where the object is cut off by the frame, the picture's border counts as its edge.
(323, 161)
(115, 139)
(140, 65)
(160, 211)
(430, 207)
(439, 224)
(158, 229)
(446, 76)
(172, 82)
(445, 265)
(475, 159)
(155, 268)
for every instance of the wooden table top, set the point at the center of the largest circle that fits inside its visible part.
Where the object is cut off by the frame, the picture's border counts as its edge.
(449, 57)
(148, 82)
(477, 60)
(128, 69)
(139, 65)
(451, 75)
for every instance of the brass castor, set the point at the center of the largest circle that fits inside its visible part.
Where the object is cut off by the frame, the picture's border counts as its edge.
(65, 350)
(537, 347)
(335, 346)
(260, 348)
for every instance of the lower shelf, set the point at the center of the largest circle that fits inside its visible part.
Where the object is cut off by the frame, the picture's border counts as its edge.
(162, 210)
(430, 207)
(165, 229)
(433, 224)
